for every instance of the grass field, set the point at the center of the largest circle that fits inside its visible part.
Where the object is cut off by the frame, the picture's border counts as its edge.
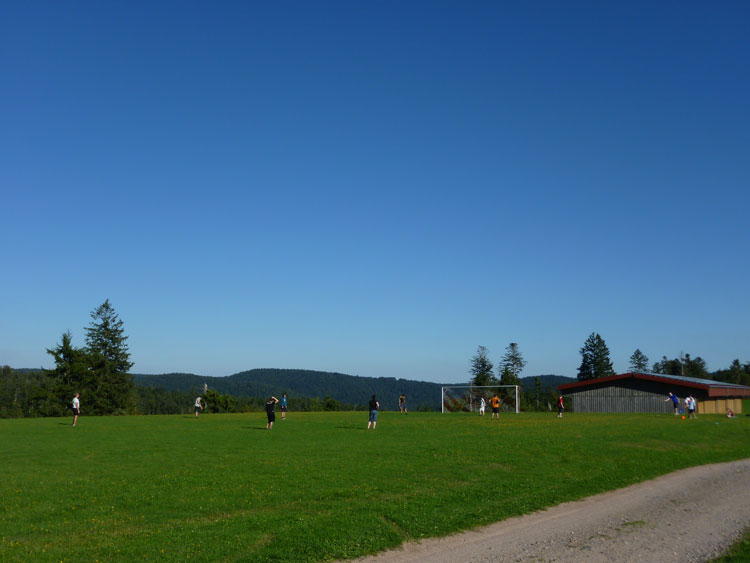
(738, 553)
(318, 486)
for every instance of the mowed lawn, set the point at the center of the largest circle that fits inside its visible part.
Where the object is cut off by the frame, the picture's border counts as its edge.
(318, 486)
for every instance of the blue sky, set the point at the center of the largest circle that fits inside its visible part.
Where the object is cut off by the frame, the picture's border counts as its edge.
(376, 188)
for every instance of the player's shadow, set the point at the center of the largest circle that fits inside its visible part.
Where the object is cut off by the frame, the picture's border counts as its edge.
(254, 428)
(351, 427)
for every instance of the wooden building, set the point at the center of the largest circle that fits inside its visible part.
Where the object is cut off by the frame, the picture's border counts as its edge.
(646, 392)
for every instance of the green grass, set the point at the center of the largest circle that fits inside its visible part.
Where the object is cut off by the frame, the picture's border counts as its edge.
(319, 486)
(738, 553)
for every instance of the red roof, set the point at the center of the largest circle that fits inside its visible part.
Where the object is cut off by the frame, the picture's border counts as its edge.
(714, 388)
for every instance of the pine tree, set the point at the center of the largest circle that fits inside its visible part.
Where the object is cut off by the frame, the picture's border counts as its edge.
(507, 377)
(638, 362)
(513, 360)
(72, 373)
(595, 360)
(481, 368)
(107, 346)
(537, 391)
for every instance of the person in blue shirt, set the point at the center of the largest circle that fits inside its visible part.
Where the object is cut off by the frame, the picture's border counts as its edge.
(675, 401)
(283, 407)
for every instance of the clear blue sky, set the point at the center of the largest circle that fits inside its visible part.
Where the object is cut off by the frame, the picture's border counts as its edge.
(376, 188)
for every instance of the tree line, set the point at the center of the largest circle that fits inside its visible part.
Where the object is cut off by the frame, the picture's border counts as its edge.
(595, 363)
(350, 389)
(537, 397)
(100, 372)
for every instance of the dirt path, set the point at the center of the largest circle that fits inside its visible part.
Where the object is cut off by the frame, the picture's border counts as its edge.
(689, 515)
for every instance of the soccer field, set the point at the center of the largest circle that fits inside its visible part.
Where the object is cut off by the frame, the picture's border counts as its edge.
(318, 486)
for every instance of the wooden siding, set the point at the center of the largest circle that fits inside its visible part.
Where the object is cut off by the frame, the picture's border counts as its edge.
(720, 406)
(629, 396)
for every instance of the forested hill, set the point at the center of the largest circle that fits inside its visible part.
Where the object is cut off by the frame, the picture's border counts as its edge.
(547, 382)
(351, 389)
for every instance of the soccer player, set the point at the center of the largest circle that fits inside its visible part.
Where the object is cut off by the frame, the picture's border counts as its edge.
(402, 404)
(198, 406)
(560, 406)
(76, 408)
(495, 402)
(690, 404)
(675, 401)
(270, 412)
(374, 406)
(481, 406)
(283, 407)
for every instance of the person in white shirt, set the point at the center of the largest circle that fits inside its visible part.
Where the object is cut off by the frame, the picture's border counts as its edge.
(76, 408)
(481, 407)
(690, 404)
(198, 406)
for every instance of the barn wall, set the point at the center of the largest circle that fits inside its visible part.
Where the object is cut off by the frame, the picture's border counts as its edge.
(630, 395)
(719, 406)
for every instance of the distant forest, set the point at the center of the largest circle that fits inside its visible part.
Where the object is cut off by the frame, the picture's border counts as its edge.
(32, 393)
(100, 372)
(297, 383)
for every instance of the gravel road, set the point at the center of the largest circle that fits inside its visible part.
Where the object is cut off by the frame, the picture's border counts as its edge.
(688, 516)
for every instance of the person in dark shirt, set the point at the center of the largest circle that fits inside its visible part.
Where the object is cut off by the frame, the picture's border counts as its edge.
(374, 406)
(270, 412)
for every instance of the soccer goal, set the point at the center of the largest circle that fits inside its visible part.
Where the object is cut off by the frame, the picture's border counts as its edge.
(468, 398)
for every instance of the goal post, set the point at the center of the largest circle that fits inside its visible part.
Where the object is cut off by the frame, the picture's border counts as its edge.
(467, 398)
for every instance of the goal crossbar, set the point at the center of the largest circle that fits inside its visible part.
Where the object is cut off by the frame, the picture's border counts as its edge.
(469, 392)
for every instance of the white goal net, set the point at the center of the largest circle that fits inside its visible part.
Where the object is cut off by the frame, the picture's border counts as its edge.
(468, 398)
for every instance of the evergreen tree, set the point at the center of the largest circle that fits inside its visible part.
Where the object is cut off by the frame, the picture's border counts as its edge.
(509, 378)
(638, 362)
(684, 365)
(537, 392)
(695, 367)
(72, 373)
(106, 344)
(736, 373)
(595, 360)
(513, 360)
(481, 368)
(668, 367)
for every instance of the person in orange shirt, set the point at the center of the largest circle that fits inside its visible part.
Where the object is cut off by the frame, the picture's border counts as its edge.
(495, 402)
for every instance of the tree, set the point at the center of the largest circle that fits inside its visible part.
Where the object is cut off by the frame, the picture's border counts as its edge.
(219, 402)
(513, 360)
(668, 367)
(481, 368)
(509, 378)
(537, 392)
(638, 362)
(736, 372)
(72, 373)
(695, 367)
(106, 344)
(595, 360)
(684, 365)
